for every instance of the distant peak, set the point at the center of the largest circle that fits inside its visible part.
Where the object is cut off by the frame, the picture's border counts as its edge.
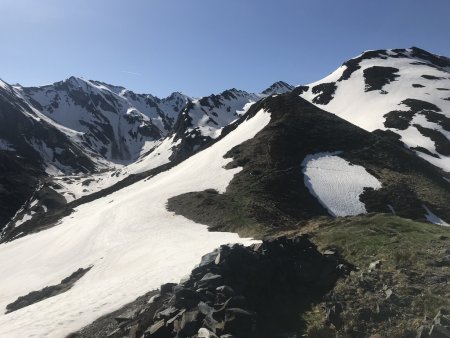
(279, 87)
(75, 81)
(176, 95)
(231, 90)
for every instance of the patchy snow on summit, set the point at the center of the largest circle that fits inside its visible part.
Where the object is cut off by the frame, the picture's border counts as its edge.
(132, 241)
(401, 90)
(336, 183)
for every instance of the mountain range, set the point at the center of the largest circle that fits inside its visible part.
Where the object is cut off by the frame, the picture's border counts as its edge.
(133, 189)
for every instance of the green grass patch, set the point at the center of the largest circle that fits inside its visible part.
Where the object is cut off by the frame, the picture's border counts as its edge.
(411, 284)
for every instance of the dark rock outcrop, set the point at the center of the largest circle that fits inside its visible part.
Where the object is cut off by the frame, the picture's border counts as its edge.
(47, 292)
(236, 291)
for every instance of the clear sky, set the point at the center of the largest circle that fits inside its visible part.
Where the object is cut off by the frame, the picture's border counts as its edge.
(205, 46)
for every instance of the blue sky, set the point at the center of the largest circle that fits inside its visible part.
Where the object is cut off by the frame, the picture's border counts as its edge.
(205, 46)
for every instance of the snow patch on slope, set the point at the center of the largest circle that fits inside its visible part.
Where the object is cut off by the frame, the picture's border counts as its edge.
(432, 218)
(129, 237)
(5, 145)
(336, 183)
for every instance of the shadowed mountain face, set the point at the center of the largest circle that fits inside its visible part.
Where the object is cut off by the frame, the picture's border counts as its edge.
(272, 190)
(30, 148)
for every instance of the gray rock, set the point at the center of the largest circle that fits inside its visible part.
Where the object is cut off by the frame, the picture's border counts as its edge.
(375, 265)
(388, 293)
(133, 332)
(117, 333)
(205, 333)
(125, 317)
(166, 313)
(442, 318)
(422, 332)
(210, 280)
(225, 290)
(218, 259)
(186, 298)
(157, 327)
(445, 261)
(445, 251)
(167, 288)
(205, 309)
(189, 324)
(209, 258)
(154, 298)
(439, 331)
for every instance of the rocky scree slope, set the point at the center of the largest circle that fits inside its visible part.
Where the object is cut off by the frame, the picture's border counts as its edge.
(257, 291)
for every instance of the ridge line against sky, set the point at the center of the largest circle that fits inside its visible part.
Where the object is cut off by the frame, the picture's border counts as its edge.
(200, 47)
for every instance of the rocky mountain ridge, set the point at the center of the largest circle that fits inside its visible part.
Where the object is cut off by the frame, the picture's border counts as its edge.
(84, 128)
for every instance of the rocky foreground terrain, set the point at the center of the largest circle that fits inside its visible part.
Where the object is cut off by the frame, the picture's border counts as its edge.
(391, 280)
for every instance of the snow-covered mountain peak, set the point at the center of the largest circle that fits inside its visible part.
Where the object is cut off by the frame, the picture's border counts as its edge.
(114, 122)
(5, 86)
(405, 91)
(176, 96)
(279, 87)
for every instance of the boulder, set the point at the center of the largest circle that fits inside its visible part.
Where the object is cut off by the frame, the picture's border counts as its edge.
(209, 258)
(210, 280)
(167, 288)
(439, 331)
(186, 298)
(190, 322)
(375, 265)
(166, 313)
(225, 290)
(422, 332)
(239, 322)
(205, 333)
(157, 330)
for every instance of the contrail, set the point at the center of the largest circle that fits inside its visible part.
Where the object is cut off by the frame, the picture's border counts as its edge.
(131, 73)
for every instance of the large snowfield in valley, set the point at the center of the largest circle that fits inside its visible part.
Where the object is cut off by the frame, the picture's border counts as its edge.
(132, 241)
(336, 183)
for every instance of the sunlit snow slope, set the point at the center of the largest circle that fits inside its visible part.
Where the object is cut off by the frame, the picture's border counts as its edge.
(133, 243)
(406, 91)
(337, 184)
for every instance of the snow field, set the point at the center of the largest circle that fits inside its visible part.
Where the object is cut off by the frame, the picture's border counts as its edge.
(336, 183)
(132, 241)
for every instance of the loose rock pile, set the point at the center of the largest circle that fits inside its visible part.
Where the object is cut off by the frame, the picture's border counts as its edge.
(238, 291)
(439, 328)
